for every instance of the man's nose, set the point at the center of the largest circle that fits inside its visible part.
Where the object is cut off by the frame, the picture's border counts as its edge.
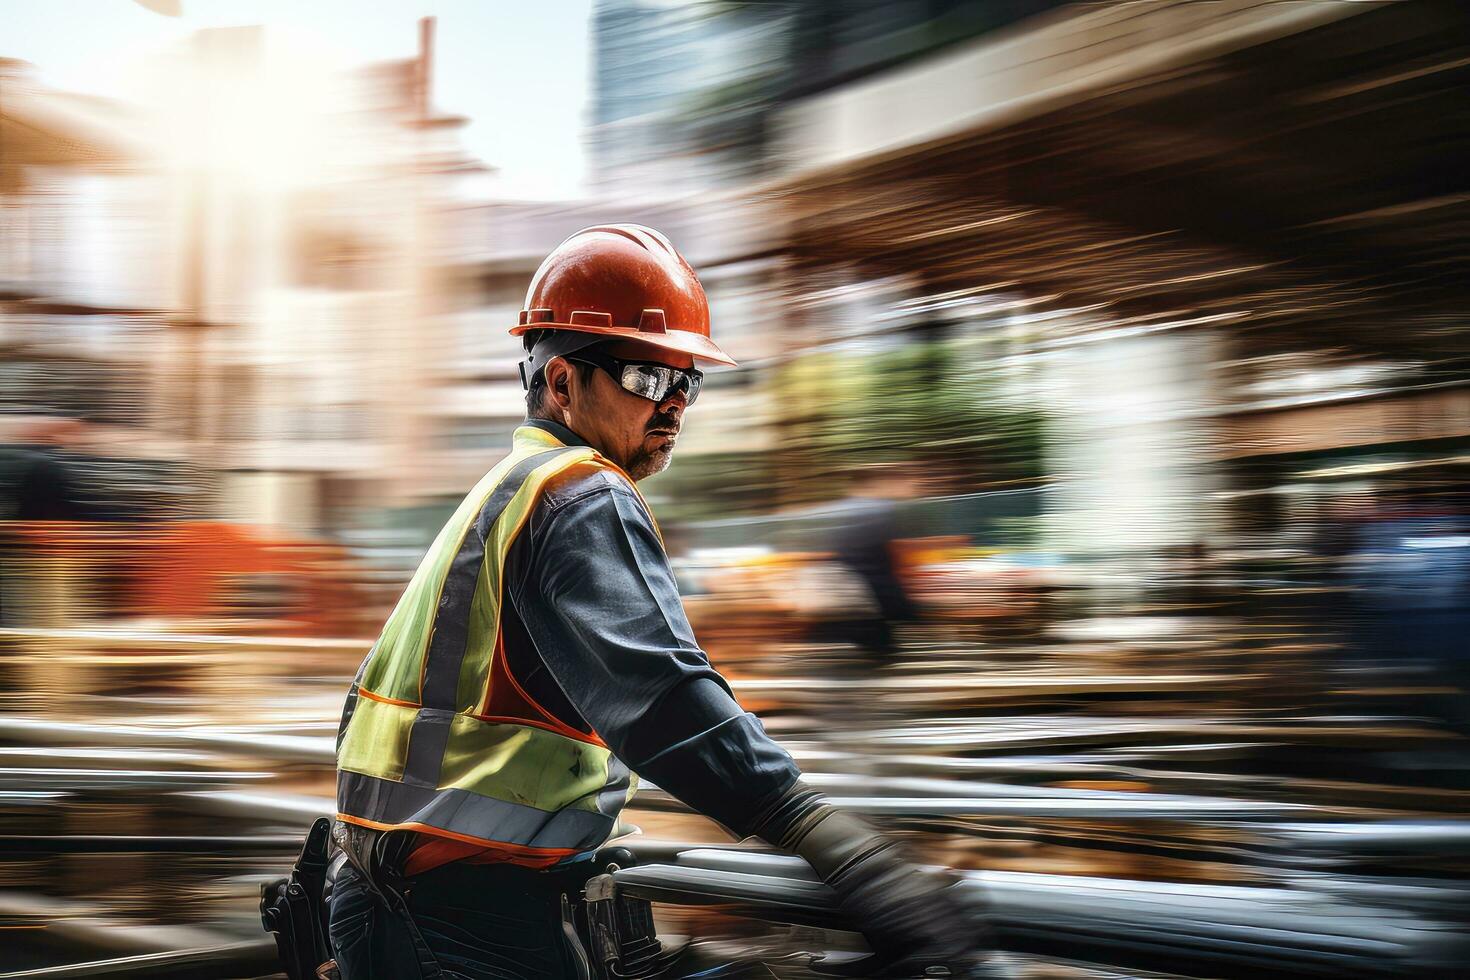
(675, 404)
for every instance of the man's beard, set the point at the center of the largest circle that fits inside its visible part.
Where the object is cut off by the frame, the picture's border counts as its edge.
(646, 462)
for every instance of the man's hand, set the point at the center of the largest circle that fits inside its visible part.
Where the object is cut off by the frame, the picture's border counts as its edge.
(916, 919)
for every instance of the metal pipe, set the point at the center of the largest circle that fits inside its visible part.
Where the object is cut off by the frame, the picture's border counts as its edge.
(254, 958)
(1214, 930)
(100, 844)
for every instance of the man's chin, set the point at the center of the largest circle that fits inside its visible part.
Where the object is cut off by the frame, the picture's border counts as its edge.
(646, 464)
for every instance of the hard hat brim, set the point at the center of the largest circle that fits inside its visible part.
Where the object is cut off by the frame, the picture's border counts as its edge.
(696, 345)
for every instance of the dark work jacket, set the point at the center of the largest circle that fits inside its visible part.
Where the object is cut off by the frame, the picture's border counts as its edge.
(595, 632)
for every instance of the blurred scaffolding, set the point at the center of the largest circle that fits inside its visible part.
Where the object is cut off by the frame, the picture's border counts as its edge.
(1090, 505)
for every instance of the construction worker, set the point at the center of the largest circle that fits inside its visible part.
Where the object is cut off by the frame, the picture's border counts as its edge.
(540, 656)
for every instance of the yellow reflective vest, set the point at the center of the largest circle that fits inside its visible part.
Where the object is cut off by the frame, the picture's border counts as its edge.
(437, 736)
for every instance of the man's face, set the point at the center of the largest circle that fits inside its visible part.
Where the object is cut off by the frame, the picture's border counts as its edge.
(635, 433)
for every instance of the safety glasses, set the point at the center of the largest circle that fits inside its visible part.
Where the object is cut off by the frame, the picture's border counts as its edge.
(646, 379)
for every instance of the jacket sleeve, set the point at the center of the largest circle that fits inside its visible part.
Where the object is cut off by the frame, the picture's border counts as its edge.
(600, 604)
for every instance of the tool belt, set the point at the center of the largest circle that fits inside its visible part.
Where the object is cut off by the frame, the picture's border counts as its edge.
(609, 936)
(294, 909)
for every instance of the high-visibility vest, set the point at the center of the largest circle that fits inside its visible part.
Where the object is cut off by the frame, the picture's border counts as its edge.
(437, 735)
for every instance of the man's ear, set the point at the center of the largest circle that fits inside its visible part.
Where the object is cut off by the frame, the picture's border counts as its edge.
(559, 381)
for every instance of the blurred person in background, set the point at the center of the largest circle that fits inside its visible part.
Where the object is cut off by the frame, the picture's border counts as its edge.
(1409, 575)
(541, 654)
(37, 480)
(862, 542)
(37, 484)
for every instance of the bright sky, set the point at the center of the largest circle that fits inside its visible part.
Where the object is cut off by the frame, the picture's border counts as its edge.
(519, 70)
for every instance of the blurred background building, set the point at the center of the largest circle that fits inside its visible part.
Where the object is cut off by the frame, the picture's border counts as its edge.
(1127, 338)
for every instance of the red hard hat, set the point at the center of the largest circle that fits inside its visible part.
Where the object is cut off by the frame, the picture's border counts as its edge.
(622, 282)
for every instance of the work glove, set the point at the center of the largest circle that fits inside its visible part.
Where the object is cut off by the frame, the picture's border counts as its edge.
(918, 921)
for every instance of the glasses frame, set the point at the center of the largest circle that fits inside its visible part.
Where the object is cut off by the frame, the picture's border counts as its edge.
(689, 380)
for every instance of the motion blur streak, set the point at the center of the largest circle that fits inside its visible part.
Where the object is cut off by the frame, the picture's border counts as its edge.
(1091, 507)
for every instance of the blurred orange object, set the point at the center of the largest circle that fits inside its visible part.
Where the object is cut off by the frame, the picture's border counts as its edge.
(218, 570)
(230, 577)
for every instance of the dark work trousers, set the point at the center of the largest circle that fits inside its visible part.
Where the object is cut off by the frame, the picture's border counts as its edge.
(480, 921)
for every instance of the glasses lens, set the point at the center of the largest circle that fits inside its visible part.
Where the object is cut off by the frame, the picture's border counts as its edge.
(646, 380)
(657, 382)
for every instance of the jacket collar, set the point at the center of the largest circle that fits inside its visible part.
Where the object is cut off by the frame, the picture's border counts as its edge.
(556, 430)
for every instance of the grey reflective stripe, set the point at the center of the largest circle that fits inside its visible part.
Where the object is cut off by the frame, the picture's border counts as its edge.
(610, 798)
(469, 814)
(426, 741)
(451, 626)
